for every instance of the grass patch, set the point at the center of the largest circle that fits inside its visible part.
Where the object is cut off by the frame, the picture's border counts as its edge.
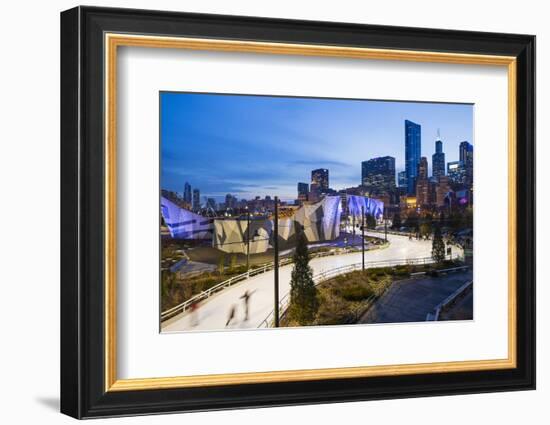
(345, 299)
(355, 293)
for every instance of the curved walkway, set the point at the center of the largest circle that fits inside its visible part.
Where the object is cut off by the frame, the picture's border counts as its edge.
(410, 300)
(213, 312)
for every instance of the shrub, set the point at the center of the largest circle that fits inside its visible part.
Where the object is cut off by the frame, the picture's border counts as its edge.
(355, 293)
(333, 310)
(380, 272)
(402, 271)
(240, 269)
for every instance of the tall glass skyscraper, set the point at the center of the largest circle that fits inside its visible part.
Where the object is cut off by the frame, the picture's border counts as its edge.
(402, 179)
(378, 174)
(466, 151)
(303, 191)
(423, 169)
(187, 194)
(457, 173)
(412, 154)
(320, 177)
(196, 200)
(438, 160)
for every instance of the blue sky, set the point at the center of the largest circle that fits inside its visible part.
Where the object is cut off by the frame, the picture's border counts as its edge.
(262, 145)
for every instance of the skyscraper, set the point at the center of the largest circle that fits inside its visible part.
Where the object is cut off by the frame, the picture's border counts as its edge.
(196, 200)
(466, 151)
(456, 171)
(438, 159)
(402, 179)
(412, 154)
(423, 168)
(378, 174)
(320, 177)
(187, 194)
(303, 191)
(230, 201)
(423, 191)
(441, 191)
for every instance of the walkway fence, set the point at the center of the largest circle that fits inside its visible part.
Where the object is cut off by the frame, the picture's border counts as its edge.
(434, 316)
(329, 274)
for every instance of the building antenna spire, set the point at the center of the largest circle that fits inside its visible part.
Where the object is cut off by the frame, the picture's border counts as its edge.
(438, 135)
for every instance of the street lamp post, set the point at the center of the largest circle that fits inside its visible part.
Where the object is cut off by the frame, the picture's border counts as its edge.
(276, 262)
(247, 238)
(363, 236)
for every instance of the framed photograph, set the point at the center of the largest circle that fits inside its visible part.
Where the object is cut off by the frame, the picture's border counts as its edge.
(261, 212)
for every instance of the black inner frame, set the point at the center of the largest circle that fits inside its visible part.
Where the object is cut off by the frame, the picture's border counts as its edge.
(82, 206)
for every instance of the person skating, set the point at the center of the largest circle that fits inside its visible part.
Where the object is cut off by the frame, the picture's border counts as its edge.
(246, 299)
(231, 315)
(194, 313)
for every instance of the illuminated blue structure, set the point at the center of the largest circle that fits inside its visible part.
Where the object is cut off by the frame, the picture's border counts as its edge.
(357, 204)
(183, 224)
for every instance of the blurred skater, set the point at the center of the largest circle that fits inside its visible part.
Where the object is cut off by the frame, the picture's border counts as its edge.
(246, 299)
(195, 313)
(231, 315)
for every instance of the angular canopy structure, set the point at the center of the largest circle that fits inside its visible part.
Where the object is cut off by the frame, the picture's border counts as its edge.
(320, 221)
(230, 235)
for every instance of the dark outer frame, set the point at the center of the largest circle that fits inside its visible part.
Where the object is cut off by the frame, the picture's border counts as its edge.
(82, 212)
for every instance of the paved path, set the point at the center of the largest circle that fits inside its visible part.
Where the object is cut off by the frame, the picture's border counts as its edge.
(411, 300)
(213, 312)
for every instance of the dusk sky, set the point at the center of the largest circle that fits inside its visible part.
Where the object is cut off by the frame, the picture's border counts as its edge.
(262, 145)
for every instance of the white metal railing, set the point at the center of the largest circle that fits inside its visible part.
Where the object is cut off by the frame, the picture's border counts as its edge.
(329, 274)
(437, 310)
(181, 308)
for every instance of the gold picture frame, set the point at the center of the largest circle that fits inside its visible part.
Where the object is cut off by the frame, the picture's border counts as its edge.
(114, 41)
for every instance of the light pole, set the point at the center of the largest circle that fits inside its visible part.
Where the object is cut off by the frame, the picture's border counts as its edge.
(363, 236)
(276, 269)
(247, 238)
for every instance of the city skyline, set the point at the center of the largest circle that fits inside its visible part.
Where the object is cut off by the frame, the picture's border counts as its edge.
(295, 136)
